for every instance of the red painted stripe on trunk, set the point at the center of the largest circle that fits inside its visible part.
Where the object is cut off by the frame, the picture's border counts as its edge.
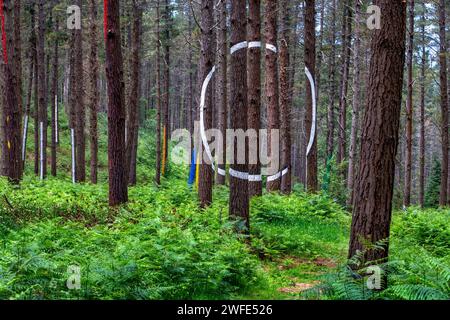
(2, 17)
(105, 17)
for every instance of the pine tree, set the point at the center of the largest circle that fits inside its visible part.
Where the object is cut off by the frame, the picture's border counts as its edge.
(409, 109)
(254, 92)
(158, 96)
(133, 104)
(206, 65)
(54, 98)
(310, 63)
(94, 92)
(11, 148)
(239, 200)
(272, 94)
(118, 191)
(444, 101)
(375, 180)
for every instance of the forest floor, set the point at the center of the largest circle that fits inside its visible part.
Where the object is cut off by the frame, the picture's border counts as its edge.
(162, 246)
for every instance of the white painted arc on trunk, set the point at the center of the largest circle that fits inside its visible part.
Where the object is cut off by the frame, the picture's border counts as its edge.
(56, 119)
(278, 175)
(41, 131)
(24, 138)
(221, 172)
(238, 175)
(312, 135)
(234, 173)
(202, 116)
(72, 141)
(251, 44)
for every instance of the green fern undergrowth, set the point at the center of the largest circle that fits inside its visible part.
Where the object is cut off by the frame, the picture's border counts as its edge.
(162, 246)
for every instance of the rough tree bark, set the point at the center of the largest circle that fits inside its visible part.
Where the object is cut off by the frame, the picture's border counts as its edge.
(11, 147)
(31, 77)
(356, 103)
(72, 95)
(158, 97)
(345, 71)
(409, 109)
(320, 50)
(285, 107)
(166, 97)
(206, 65)
(239, 200)
(118, 190)
(310, 63)
(272, 94)
(80, 138)
(133, 119)
(422, 112)
(191, 80)
(53, 97)
(17, 60)
(94, 93)
(43, 118)
(36, 109)
(332, 84)
(254, 91)
(32, 88)
(223, 85)
(375, 180)
(444, 102)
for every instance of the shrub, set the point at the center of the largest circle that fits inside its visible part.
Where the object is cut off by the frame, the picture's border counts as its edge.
(433, 187)
(429, 229)
(160, 246)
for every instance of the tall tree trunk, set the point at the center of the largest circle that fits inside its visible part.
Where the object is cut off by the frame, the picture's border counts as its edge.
(356, 102)
(444, 102)
(11, 148)
(206, 65)
(72, 102)
(191, 80)
(94, 94)
(32, 66)
(17, 58)
(272, 94)
(448, 103)
(320, 50)
(332, 84)
(422, 112)
(346, 54)
(409, 110)
(223, 85)
(158, 97)
(239, 200)
(80, 139)
(375, 180)
(31, 76)
(133, 119)
(285, 107)
(54, 101)
(310, 63)
(118, 190)
(254, 92)
(43, 118)
(36, 110)
(166, 97)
